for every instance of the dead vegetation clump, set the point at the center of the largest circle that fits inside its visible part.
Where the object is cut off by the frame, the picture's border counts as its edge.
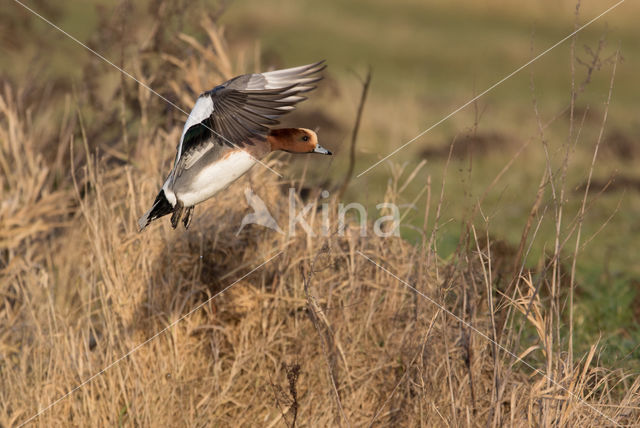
(366, 346)
(102, 325)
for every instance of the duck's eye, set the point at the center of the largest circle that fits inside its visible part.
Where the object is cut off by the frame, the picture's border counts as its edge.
(305, 138)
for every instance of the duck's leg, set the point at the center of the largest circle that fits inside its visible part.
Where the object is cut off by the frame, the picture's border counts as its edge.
(188, 216)
(177, 213)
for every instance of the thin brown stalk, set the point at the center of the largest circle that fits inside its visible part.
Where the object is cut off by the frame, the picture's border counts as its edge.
(583, 205)
(317, 318)
(354, 135)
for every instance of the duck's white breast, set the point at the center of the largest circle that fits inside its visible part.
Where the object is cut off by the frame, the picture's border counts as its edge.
(213, 177)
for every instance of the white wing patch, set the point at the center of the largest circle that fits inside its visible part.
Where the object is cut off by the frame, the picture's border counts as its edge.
(201, 110)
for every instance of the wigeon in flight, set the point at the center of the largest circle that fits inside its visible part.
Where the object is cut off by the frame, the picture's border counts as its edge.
(227, 132)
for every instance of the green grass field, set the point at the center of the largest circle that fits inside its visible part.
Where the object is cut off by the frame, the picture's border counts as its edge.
(429, 59)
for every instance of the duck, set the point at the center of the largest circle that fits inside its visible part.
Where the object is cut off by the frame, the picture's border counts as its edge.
(229, 129)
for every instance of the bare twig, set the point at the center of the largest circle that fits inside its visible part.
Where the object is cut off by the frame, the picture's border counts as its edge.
(582, 208)
(321, 324)
(354, 136)
(404, 375)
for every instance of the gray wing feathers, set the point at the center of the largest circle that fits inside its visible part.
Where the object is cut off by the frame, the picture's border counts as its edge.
(245, 107)
(301, 78)
(241, 110)
(189, 158)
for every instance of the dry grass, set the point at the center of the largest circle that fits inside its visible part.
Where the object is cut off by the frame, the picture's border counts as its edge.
(318, 336)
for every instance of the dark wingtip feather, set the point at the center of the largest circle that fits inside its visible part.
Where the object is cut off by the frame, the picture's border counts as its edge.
(160, 208)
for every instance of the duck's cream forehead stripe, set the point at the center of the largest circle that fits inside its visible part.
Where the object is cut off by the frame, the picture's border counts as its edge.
(284, 133)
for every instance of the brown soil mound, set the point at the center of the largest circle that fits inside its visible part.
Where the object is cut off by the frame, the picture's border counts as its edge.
(479, 144)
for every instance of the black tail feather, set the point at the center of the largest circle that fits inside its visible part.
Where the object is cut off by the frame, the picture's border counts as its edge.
(160, 208)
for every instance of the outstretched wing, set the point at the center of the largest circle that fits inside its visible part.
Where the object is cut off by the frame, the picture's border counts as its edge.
(242, 109)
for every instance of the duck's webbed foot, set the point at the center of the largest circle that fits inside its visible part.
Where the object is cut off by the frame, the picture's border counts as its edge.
(188, 216)
(177, 213)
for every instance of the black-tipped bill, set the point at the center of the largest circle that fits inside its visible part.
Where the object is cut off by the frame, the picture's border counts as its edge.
(321, 150)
